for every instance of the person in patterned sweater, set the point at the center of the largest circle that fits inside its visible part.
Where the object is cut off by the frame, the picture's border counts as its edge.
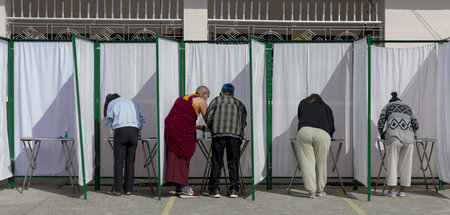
(401, 124)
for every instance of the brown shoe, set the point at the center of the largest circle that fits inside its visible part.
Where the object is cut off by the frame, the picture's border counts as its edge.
(215, 194)
(234, 194)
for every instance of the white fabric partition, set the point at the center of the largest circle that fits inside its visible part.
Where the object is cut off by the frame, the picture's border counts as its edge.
(213, 65)
(443, 112)
(168, 82)
(84, 106)
(360, 111)
(5, 162)
(258, 59)
(43, 102)
(128, 69)
(410, 72)
(298, 71)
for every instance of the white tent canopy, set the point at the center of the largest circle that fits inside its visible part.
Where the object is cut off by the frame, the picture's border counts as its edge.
(84, 94)
(168, 91)
(443, 112)
(43, 102)
(411, 73)
(5, 162)
(298, 71)
(128, 69)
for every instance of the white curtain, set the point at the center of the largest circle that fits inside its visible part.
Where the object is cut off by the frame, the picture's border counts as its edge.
(5, 162)
(84, 109)
(128, 69)
(168, 81)
(443, 112)
(360, 110)
(213, 65)
(411, 73)
(258, 58)
(43, 102)
(299, 70)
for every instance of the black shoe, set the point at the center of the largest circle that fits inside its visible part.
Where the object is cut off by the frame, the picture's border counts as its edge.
(215, 194)
(234, 194)
(114, 193)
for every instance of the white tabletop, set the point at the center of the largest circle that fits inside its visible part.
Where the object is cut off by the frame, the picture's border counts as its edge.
(47, 139)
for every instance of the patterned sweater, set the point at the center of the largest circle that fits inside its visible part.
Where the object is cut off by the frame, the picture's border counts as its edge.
(226, 117)
(401, 123)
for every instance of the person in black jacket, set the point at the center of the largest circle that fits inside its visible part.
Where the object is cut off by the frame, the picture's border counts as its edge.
(315, 129)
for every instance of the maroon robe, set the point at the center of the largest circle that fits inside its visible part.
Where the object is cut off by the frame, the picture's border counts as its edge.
(180, 136)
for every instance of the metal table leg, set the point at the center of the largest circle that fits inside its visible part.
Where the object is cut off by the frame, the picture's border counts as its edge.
(335, 165)
(149, 161)
(425, 157)
(32, 153)
(297, 165)
(382, 166)
(68, 153)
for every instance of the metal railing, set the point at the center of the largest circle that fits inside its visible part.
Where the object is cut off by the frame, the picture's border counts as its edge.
(306, 11)
(92, 10)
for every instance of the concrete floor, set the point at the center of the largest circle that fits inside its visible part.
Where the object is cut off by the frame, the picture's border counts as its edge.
(55, 196)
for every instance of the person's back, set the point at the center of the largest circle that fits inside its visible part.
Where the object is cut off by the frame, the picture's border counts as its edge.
(123, 112)
(400, 122)
(315, 115)
(226, 117)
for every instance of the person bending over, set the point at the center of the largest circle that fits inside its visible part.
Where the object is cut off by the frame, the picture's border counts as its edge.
(180, 136)
(401, 124)
(315, 129)
(226, 121)
(124, 116)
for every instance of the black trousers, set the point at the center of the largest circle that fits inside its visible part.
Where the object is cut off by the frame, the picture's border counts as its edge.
(125, 142)
(233, 146)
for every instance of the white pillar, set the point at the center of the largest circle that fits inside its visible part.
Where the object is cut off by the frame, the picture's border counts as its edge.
(195, 24)
(4, 10)
(416, 20)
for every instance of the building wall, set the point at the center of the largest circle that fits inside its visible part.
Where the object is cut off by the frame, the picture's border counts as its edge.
(4, 11)
(416, 20)
(195, 23)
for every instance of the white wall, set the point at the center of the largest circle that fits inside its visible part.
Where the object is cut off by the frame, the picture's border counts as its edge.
(416, 20)
(195, 25)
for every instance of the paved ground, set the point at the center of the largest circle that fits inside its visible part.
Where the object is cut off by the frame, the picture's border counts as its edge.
(55, 196)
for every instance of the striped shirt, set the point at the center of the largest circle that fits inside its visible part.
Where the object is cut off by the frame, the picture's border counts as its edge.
(226, 117)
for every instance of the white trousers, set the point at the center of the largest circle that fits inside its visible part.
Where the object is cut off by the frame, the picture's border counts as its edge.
(313, 147)
(399, 156)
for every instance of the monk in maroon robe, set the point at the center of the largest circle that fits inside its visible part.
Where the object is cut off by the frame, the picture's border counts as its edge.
(180, 136)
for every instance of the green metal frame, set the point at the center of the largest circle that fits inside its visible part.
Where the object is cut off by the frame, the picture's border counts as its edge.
(157, 118)
(182, 65)
(269, 76)
(11, 181)
(251, 117)
(369, 133)
(97, 113)
(77, 91)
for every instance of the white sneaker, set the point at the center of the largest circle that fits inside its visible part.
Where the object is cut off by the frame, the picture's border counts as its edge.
(215, 194)
(391, 194)
(401, 194)
(189, 194)
(321, 194)
(312, 195)
(234, 194)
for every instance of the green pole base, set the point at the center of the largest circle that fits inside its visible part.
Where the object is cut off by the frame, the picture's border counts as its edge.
(355, 185)
(441, 185)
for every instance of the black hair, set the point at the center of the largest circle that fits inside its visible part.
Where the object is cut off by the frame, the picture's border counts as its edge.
(108, 99)
(394, 97)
